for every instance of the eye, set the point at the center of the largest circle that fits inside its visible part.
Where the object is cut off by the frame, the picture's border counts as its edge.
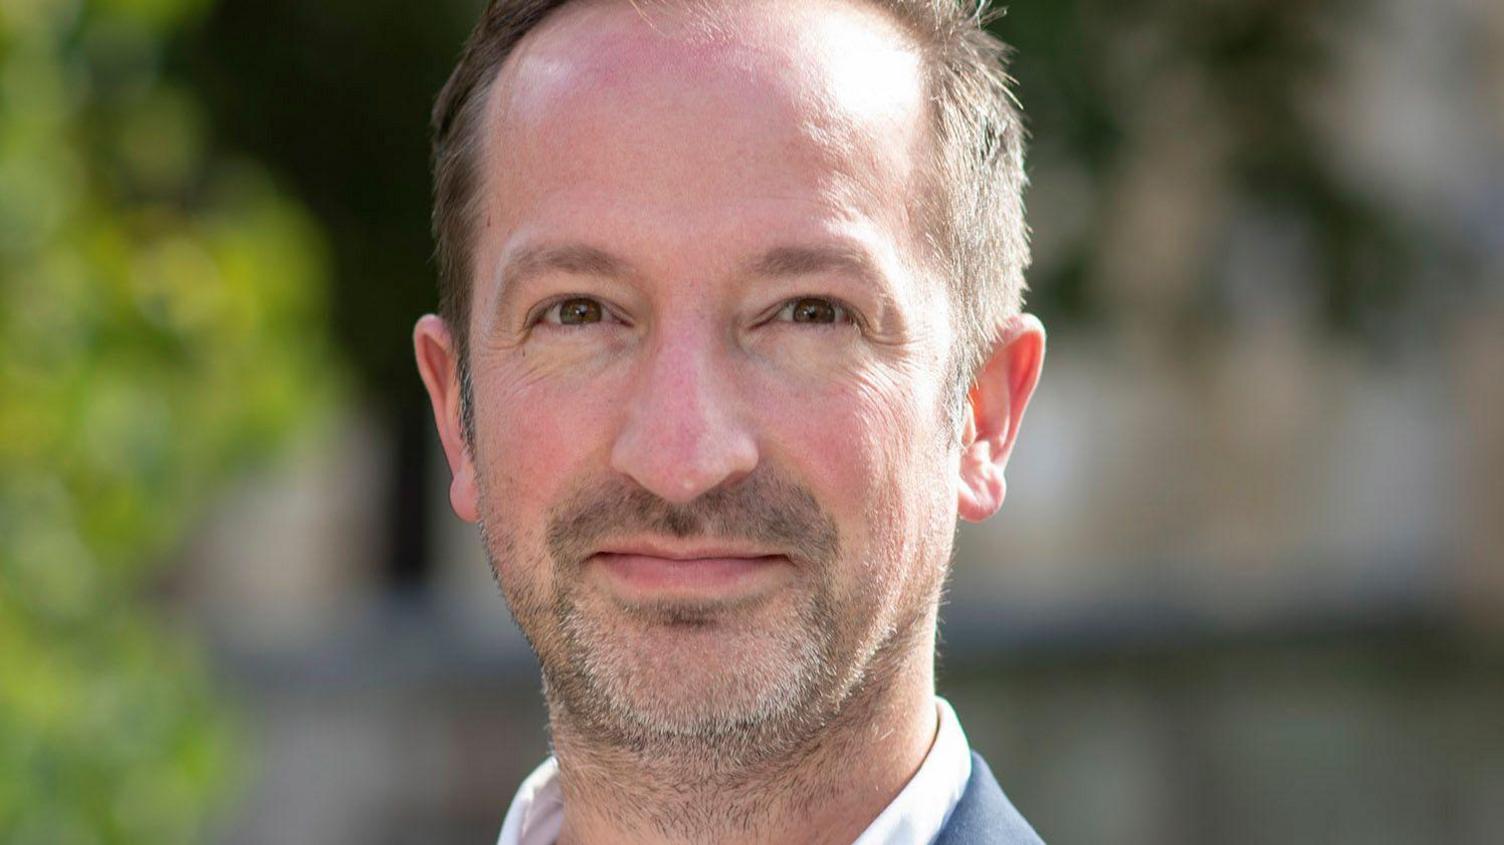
(813, 309)
(574, 311)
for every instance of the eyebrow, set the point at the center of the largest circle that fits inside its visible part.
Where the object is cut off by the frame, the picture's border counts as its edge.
(789, 261)
(783, 262)
(579, 259)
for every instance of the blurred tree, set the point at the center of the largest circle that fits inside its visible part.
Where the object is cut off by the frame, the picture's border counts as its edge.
(161, 313)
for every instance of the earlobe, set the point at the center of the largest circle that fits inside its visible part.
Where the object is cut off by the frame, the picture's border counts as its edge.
(995, 407)
(982, 487)
(438, 365)
(462, 498)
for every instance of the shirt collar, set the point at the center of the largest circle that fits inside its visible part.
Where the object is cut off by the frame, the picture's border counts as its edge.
(917, 814)
(537, 813)
(914, 817)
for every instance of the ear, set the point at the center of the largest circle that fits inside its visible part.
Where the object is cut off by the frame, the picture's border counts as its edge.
(438, 364)
(994, 408)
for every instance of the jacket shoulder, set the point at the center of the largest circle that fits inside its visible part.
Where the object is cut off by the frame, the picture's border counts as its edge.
(984, 815)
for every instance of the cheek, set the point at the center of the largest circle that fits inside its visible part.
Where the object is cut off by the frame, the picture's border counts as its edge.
(535, 435)
(864, 445)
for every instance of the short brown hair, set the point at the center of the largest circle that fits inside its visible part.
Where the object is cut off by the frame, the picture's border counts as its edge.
(976, 224)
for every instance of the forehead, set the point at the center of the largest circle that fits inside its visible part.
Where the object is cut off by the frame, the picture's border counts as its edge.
(684, 110)
(838, 61)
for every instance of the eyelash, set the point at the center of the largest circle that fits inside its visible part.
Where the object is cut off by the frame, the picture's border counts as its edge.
(542, 314)
(845, 314)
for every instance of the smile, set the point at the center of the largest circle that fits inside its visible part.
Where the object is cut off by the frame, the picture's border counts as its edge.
(638, 576)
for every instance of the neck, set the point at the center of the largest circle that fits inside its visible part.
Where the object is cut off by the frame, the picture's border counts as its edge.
(826, 790)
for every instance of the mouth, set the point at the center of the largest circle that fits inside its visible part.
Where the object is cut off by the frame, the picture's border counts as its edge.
(648, 572)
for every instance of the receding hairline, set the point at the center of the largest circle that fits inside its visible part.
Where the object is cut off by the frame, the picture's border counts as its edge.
(969, 211)
(497, 91)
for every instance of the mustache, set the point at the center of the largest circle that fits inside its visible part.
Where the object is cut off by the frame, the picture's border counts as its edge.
(761, 509)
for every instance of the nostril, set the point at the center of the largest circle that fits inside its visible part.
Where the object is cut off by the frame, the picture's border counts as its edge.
(679, 462)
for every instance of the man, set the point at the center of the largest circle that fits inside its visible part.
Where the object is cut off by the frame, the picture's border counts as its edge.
(730, 337)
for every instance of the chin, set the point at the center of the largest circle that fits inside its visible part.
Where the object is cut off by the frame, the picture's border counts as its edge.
(681, 674)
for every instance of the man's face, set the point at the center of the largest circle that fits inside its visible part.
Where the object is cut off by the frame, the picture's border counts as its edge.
(710, 459)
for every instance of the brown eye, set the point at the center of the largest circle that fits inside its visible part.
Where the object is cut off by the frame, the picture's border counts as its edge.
(811, 309)
(577, 311)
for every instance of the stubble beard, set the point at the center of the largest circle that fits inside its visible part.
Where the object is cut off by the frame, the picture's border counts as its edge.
(715, 691)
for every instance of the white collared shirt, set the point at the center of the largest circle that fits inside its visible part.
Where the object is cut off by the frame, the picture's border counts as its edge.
(914, 817)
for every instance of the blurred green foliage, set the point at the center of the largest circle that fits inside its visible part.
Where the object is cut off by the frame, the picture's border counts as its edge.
(161, 319)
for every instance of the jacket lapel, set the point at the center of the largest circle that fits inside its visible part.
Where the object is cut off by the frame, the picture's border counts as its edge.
(984, 815)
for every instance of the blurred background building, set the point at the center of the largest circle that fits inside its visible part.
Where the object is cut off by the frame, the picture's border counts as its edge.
(1248, 585)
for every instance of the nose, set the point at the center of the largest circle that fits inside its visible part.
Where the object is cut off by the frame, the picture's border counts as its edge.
(683, 433)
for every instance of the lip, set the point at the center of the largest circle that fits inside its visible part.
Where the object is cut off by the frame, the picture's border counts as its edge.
(685, 551)
(648, 571)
